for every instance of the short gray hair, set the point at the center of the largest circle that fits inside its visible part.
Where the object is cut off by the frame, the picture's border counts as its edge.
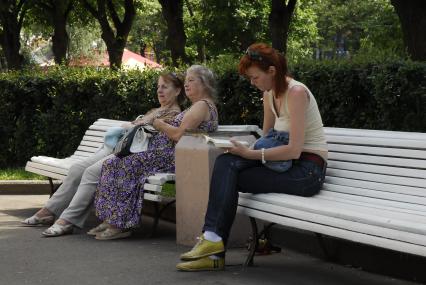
(207, 78)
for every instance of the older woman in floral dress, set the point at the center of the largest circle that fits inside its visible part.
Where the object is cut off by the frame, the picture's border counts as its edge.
(119, 195)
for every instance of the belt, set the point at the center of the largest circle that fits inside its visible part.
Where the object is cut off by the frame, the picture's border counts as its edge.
(318, 160)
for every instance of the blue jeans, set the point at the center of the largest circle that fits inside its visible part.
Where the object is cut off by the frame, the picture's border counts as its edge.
(233, 174)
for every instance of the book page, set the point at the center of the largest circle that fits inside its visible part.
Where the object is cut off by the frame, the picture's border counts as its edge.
(223, 143)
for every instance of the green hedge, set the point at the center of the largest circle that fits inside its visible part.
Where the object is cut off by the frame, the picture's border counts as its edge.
(47, 112)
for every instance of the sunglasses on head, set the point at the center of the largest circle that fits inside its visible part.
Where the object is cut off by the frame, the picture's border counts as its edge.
(254, 55)
(174, 75)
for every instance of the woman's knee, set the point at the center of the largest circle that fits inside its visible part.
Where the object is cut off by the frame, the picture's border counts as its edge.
(76, 172)
(92, 172)
(227, 160)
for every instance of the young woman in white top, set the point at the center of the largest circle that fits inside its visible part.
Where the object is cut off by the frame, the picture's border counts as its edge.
(289, 107)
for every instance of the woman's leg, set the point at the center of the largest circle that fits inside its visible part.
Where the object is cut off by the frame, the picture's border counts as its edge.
(223, 196)
(79, 208)
(65, 193)
(304, 178)
(232, 175)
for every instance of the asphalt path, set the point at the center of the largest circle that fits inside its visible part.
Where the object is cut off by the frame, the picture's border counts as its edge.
(28, 258)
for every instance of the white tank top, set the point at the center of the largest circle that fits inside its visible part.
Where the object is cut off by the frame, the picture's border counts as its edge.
(314, 132)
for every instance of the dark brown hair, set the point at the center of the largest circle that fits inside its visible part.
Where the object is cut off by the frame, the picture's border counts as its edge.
(263, 56)
(177, 81)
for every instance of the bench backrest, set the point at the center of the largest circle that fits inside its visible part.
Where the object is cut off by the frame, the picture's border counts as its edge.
(94, 136)
(389, 166)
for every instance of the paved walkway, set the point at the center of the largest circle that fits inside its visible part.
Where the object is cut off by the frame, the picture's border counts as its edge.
(27, 258)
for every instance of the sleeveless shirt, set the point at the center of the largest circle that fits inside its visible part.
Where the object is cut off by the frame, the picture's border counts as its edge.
(315, 141)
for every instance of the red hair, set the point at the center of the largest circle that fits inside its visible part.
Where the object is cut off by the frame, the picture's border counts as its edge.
(263, 56)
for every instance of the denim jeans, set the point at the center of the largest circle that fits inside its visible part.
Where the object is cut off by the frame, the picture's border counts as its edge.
(233, 174)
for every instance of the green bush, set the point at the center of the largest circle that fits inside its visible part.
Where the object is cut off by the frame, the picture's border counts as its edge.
(47, 112)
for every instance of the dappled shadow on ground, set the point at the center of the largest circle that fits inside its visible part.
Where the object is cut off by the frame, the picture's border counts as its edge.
(80, 259)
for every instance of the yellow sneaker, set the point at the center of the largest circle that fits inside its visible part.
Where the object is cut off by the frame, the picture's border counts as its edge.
(203, 248)
(202, 264)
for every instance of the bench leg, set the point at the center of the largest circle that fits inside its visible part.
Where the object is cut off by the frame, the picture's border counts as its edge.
(52, 187)
(329, 256)
(158, 213)
(254, 243)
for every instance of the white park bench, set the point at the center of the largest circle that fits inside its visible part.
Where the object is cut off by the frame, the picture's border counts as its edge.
(374, 193)
(57, 168)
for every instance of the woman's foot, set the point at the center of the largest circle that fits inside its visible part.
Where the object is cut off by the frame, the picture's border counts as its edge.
(35, 221)
(202, 264)
(113, 233)
(60, 228)
(97, 230)
(202, 249)
(42, 218)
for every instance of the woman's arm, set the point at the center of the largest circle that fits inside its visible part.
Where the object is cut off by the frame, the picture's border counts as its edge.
(191, 120)
(268, 116)
(297, 102)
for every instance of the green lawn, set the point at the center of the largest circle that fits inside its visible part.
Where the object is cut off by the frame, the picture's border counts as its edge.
(18, 174)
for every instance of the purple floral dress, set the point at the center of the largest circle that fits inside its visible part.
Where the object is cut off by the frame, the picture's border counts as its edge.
(119, 195)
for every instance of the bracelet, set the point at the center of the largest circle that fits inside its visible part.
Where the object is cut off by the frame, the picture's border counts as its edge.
(262, 151)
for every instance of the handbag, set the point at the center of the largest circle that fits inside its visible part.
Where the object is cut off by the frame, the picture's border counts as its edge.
(273, 139)
(134, 140)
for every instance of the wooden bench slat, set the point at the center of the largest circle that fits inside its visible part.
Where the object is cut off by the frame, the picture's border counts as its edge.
(391, 152)
(152, 197)
(385, 195)
(93, 139)
(343, 233)
(83, 153)
(370, 214)
(86, 148)
(379, 169)
(92, 143)
(386, 179)
(375, 186)
(95, 133)
(367, 141)
(49, 168)
(372, 202)
(337, 222)
(53, 175)
(410, 223)
(374, 133)
(378, 160)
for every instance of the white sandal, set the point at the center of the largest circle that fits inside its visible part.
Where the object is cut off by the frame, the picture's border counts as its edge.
(100, 228)
(35, 221)
(58, 230)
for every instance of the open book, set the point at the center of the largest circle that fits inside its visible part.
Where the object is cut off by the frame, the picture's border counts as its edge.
(224, 143)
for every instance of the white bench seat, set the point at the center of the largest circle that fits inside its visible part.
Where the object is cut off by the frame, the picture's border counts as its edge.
(374, 193)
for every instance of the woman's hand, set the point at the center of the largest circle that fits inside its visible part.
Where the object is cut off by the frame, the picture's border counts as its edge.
(157, 123)
(240, 150)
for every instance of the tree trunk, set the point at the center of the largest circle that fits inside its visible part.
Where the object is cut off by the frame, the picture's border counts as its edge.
(115, 39)
(176, 39)
(411, 14)
(279, 23)
(11, 17)
(60, 39)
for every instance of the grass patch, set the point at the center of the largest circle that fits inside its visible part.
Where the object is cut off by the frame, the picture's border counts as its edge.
(18, 174)
(169, 189)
